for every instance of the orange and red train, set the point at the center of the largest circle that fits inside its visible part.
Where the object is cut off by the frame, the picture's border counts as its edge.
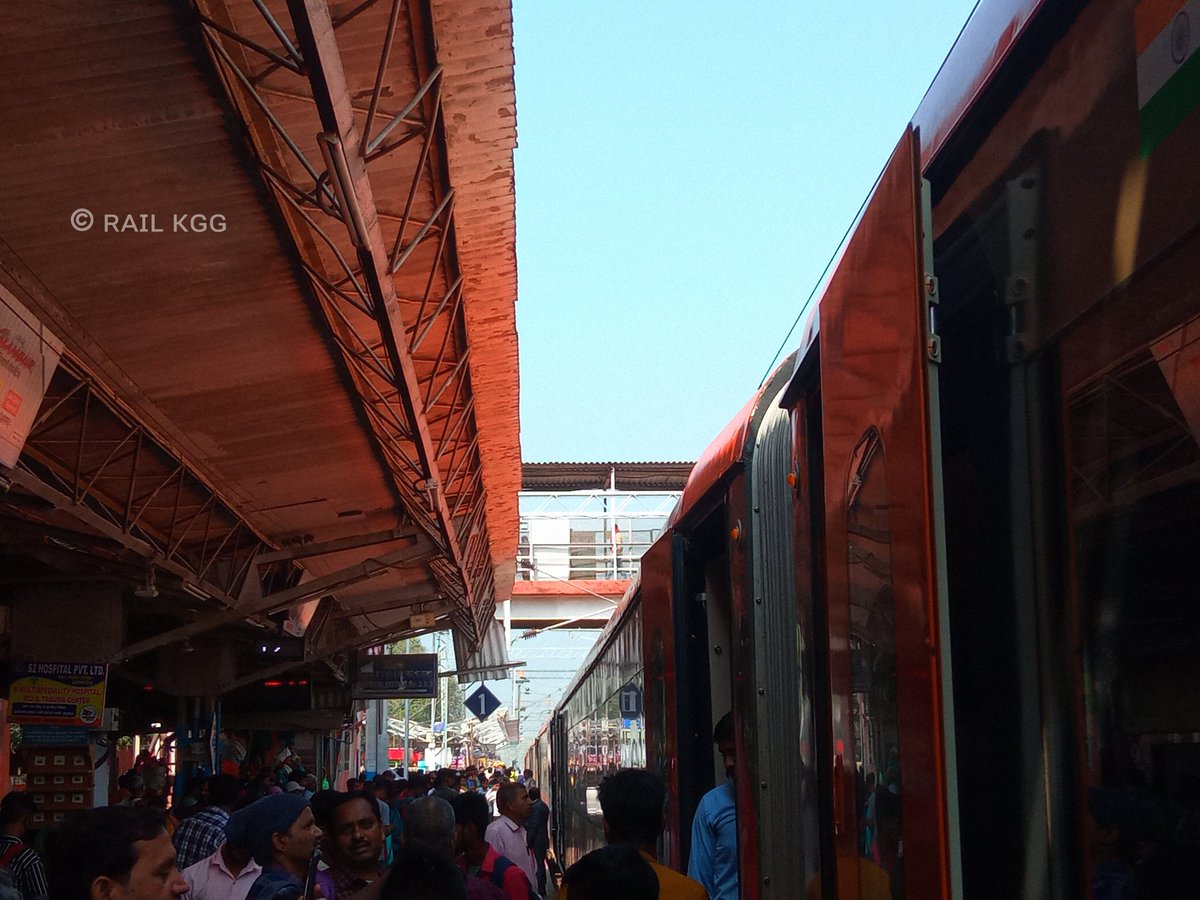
(953, 544)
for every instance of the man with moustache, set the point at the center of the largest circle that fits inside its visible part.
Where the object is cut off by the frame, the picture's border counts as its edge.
(507, 833)
(114, 852)
(355, 848)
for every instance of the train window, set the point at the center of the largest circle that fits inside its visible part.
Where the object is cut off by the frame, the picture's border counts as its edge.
(873, 658)
(604, 733)
(1134, 470)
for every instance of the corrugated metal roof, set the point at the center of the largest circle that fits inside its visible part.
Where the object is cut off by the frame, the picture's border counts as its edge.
(213, 339)
(475, 47)
(629, 476)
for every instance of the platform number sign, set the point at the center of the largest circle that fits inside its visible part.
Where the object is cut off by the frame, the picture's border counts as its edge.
(482, 703)
(631, 701)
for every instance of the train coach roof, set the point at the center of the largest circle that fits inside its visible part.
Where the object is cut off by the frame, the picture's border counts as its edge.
(613, 623)
(983, 46)
(730, 447)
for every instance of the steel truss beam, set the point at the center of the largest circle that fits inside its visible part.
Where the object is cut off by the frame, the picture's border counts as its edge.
(314, 654)
(90, 458)
(280, 600)
(1138, 440)
(379, 606)
(406, 355)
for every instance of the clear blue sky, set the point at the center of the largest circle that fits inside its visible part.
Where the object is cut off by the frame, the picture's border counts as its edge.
(684, 171)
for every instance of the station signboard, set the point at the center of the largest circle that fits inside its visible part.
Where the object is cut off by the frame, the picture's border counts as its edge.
(394, 675)
(29, 354)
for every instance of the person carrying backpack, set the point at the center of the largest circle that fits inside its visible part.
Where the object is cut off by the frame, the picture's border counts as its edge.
(478, 858)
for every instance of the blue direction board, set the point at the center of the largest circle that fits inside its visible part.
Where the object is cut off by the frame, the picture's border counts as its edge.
(482, 703)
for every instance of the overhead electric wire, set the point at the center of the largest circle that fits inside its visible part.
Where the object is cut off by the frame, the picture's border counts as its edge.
(820, 281)
(858, 215)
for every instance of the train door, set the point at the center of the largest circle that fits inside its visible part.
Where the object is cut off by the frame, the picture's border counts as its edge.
(813, 846)
(559, 775)
(886, 636)
(776, 782)
(703, 650)
(1003, 489)
(659, 668)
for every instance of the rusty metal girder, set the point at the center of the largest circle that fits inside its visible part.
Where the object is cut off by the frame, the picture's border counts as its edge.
(91, 459)
(280, 600)
(386, 278)
(381, 635)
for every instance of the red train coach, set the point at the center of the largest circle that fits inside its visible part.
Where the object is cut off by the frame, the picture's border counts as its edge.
(949, 547)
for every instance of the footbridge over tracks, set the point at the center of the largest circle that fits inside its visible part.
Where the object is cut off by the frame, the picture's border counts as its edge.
(259, 378)
(584, 527)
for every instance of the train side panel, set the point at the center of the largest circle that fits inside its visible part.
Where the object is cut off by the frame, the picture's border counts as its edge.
(1067, 249)
(658, 662)
(592, 737)
(880, 566)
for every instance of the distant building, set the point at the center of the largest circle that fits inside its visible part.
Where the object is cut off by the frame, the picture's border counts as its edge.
(584, 528)
(593, 521)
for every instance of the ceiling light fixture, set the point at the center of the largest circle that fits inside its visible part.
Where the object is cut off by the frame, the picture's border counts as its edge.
(196, 592)
(147, 590)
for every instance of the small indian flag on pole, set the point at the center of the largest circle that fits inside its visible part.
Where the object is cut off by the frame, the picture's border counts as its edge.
(1168, 66)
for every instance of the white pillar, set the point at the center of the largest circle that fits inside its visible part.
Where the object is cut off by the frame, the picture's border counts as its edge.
(377, 736)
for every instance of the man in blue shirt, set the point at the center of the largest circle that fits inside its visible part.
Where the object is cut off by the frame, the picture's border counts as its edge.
(714, 857)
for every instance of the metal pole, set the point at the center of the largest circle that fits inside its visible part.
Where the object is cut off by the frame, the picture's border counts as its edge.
(508, 639)
(612, 522)
(407, 708)
(444, 702)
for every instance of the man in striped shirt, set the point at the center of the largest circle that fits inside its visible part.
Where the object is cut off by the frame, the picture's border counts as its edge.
(19, 858)
(203, 832)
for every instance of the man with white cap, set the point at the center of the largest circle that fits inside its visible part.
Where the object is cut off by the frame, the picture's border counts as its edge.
(229, 872)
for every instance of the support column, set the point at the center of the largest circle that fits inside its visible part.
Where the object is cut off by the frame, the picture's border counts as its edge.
(407, 720)
(376, 743)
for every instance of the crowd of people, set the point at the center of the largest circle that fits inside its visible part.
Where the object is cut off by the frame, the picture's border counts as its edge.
(282, 834)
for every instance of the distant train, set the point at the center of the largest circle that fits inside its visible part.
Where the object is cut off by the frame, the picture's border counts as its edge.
(952, 545)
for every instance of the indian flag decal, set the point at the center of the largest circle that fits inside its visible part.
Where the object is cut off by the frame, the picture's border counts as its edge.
(1168, 66)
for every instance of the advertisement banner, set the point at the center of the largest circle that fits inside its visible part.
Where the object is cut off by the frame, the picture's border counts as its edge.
(29, 355)
(386, 676)
(57, 693)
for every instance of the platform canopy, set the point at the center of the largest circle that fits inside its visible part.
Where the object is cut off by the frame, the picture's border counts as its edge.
(276, 240)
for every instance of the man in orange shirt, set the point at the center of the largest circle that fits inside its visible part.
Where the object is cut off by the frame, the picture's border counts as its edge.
(633, 802)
